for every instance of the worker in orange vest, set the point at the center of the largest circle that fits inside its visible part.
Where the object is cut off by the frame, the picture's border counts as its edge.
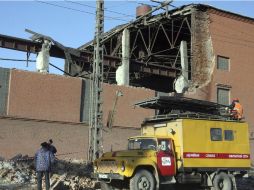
(236, 109)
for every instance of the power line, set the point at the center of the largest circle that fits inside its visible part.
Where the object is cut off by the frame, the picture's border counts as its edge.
(78, 10)
(134, 1)
(29, 60)
(105, 9)
(21, 60)
(119, 4)
(60, 6)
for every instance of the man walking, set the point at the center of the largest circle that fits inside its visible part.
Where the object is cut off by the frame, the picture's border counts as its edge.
(43, 161)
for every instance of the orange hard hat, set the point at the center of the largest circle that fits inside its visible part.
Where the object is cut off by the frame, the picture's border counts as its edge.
(236, 99)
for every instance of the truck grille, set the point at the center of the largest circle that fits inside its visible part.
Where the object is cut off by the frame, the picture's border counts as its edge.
(107, 166)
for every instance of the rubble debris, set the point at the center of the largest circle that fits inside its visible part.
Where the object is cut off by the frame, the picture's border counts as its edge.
(18, 156)
(66, 175)
(55, 182)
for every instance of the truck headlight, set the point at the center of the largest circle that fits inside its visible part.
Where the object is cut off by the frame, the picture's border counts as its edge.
(95, 167)
(123, 167)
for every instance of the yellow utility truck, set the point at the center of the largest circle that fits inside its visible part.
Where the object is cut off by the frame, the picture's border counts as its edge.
(182, 146)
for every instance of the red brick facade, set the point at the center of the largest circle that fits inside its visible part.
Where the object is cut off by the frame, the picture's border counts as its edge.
(235, 41)
(44, 96)
(71, 140)
(58, 98)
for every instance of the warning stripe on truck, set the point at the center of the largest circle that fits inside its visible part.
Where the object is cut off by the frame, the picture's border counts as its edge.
(215, 155)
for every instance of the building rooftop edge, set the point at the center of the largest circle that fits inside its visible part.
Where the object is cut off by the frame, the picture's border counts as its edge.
(203, 7)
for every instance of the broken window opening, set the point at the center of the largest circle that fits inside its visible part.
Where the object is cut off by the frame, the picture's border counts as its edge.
(223, 63)
(223, 96)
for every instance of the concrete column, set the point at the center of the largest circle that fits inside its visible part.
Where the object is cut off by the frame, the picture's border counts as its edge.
(184, 59)
(181, 82)
(42, 60)
(122, 73)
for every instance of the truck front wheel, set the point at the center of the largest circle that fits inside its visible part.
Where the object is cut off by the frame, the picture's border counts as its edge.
(142, 180)
(113, 185)
(222, 181)
(106, 186)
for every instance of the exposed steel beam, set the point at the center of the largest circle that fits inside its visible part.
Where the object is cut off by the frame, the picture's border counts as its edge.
(24, 45)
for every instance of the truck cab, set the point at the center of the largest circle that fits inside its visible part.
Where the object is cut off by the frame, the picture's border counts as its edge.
(147, 160)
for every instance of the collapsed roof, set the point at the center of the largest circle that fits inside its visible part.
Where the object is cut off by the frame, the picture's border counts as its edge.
(154, 48)
(155, 61)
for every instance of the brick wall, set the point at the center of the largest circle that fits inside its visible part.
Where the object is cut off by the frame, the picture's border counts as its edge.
(44, 96)
(71, 140)
(60, 98)
(232, 38)
(126, 114)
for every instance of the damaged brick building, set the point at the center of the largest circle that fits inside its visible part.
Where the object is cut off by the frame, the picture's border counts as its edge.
(197, 50)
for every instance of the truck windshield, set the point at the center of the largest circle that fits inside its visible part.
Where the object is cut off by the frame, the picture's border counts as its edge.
(142, 144)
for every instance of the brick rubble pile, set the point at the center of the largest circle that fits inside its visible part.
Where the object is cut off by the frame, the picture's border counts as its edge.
(66, 175)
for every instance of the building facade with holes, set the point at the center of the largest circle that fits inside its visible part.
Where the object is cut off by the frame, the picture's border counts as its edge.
(214, 63)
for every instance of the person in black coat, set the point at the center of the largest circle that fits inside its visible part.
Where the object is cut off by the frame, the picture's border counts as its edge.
(52, 148)
(44, 159)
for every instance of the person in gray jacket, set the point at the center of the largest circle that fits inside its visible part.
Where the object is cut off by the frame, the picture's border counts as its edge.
(44, 159)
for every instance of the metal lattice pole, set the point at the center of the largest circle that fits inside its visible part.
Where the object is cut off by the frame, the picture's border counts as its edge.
(95, 119)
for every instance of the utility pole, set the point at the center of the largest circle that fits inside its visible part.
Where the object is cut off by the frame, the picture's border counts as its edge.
(96, 114)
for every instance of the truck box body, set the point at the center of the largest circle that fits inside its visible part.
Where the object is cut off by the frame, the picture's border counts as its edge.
(205, 144)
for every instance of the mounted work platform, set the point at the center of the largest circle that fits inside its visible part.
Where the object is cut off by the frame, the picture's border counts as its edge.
(173, 106)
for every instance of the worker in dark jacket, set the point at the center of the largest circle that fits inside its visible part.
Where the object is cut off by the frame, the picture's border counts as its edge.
(43, 161)
(52, 148)
(236, 109)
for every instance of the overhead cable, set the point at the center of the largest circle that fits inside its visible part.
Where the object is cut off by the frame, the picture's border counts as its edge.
(29, 60)
(21, 60)
(78, 10)
(119, 4)
(105, 9)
